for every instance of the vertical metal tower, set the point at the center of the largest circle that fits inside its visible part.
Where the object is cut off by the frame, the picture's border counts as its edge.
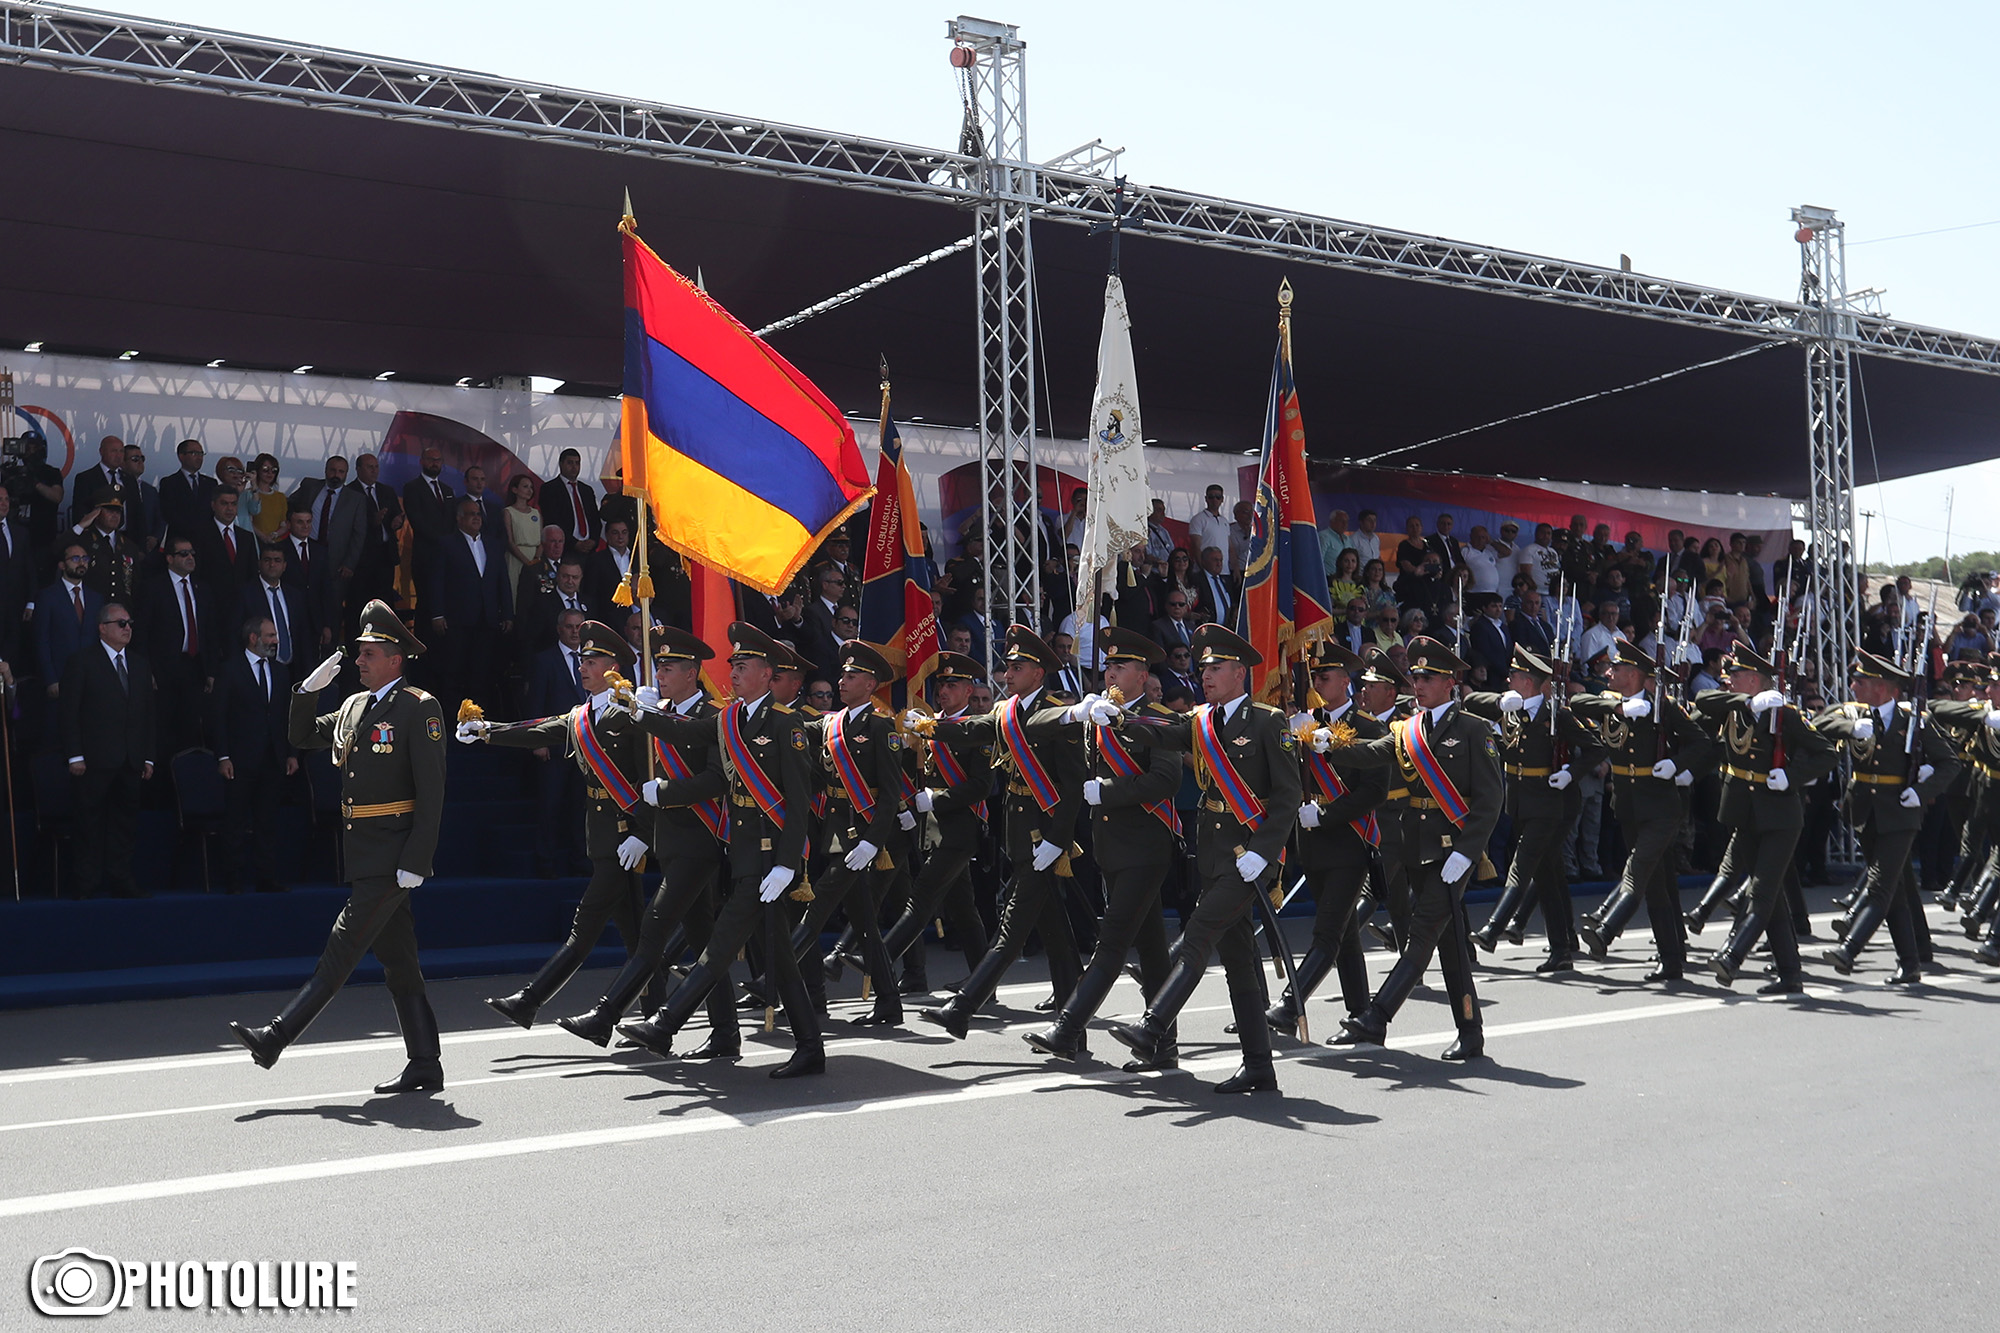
(993, 63)
(1829, 328)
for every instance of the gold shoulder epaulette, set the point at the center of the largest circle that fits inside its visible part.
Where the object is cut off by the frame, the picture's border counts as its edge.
(782, 708)
(418, 694)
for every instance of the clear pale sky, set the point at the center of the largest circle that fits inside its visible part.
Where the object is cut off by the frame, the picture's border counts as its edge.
(1678, 135)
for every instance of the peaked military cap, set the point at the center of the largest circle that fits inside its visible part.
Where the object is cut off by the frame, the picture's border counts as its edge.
(1631, 654)
(1378, 667)
(677, 645)
(597, 639)
(1867, 666)
(746, 640)
(1533, 665)
(1745, 658)
(788, 658)
(1976, 672)
(1331, 655)
(1213, 643)
(1429, 656)
(1124, 645)
(381, 624)
(856, 655)
(1023, 644)
(956, 666)
(111, 499)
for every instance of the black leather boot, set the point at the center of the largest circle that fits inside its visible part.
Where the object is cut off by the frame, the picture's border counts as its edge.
(1718, 890)
(720, 1045)
(1145, 1038)
(1251, 1078)
(656, 1034)
(1166, 1055)
(1062, 1039)
(1370, 1027)
(1487, 937)
(954, 1015)
(596, 1024)
(1313, 969)
(1598, 936)
(1842, 956)
(1989, 952)
(268, 1042)
(424, 1072)
(1981, 910)
(1471, 1045)
(520, 1007)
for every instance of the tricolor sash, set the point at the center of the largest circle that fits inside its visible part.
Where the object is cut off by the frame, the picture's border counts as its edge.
(712, 813)
(1414, 737)
(592, 750)
(953, 773)
(769, 796)
(1120, 761)
(859, 794)
(1016, 736)
(1236, 793)
(1330, 784)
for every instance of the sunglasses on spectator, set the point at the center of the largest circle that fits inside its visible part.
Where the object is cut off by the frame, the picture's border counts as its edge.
(121, 624)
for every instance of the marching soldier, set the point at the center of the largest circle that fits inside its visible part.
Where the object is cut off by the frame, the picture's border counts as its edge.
(388, 743)
(1135, 833)
(1384, 694)
(956, 779)
(1897, 765)
(1980, 717)
(861, 758)
(1653, 762)
(1543, 746)
(1448, 755)
(1247, 764)
(1338, 835)
(1044, 789)
(1949, 820)
(689, 835)
(603, 739)
(1770, 755)
(766, 757)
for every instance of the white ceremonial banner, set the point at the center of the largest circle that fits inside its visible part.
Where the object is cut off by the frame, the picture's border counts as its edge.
(1119, 499)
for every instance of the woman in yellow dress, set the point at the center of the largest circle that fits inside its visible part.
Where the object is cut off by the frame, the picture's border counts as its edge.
(266, 505)
(524, 527)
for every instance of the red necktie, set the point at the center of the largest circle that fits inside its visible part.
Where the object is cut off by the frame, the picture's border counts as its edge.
(229, 544)
(193, 644)
(326, 509)
(305, 559)
(576, 509)
(76, 596)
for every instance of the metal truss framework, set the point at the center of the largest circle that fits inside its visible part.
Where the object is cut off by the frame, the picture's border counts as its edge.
(1829, 342)
(1075, 188)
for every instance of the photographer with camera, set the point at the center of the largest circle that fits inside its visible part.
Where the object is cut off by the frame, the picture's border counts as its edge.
(36, 488)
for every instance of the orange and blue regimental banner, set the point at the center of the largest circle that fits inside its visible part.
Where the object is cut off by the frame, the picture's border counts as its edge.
(897, 614)
(744, 462)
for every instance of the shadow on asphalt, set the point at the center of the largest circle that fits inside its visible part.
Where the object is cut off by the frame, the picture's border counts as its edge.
(1403, 1070)
(1196, 1103)
(400, 1112)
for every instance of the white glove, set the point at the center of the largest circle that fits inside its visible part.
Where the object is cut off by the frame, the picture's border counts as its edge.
(1992, 718)
(1909, 800)
(1250, 865)
(1636, 706)
(322, 675)
(905, 820)
(1665, 769)
(924, 800)
(1455, 867)
(1512, 702)
(1864, 728)
(1103, 712)
(1322, 740)
(776, 880)
(647, 697)
(474, 729)
(860, 855)
(1302, 723)
(651, 791)
(1924, 772)
(912, 718)
(1309, 815)
(1080, 710)
(1684, 778)
(1046, 855)
(1761, 704)
(1561, 778)
(1779, 782)
(1093, 791)
(405, 879)
(631, 852)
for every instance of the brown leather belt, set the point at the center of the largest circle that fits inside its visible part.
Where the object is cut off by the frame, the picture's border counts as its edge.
(1400, 794)
(1633, 770)
(1518, 771)
(381, 810)
(1746, 774)
(1883, 779)
(1423, 803)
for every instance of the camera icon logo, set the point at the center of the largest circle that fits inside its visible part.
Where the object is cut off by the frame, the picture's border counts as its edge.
(76, 1281)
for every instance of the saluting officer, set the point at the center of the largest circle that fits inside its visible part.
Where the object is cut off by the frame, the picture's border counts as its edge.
(1448, 758)
(1770, 756)
(1653, 761)
(1893, 774)
(769, 765)
(690, 829)
(1338, 835)
(1134, 832)
(388, 743)
(1044, 792)
(1543, 746)
(1247, 764)
(602, 737)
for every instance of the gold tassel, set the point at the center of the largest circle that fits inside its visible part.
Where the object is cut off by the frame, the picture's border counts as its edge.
(1277, 897)
(469, 711)
(864, 985)
(645, 586)
(623, 595)
(803, 893)
(770, 1018)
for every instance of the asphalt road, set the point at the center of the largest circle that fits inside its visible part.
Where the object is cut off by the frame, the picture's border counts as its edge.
(1627, 1158)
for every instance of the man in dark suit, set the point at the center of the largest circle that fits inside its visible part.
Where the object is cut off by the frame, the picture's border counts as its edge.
(14, 574)
(106, 726)
(572, 505)
(537, 608)
(1530, 627)
(248, 730)
(143, 517)
(494, 523)
(291, 619)
(1450, 554)
(92, 482)
(185, 492)
(309, 573)
(1491, 650)
(431, 506)
(604, 570)
(469, 607)
(555, 686)
(366, 520)
(1217, 591)
(1353, 631)
(318, 496)
(65, 614)
(822, 641)
(1175, 627)
(178, 630)
(225, 555)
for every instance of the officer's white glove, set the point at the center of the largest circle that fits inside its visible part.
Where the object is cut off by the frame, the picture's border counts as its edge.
(473, 729)
(1561, 778)
(905, 820)
(651, 791)
(1864, 729)
(407, 879)
(322, 675)
(1093, 791)
(1992, 718)
(1250, 865)
(631, 852)
(913, 718)
(1046, 855)
(1104, 712)
(1302, 723)
(1924, 772)
(924, 800)
(776, 880)
(1455, 867)
(1909, 800)
(1322, 740)
(1636, 706)
(860, 855)
(1779, 782)
(1665, 769)
(1761, 704)
(1080, 710)
(1684, 778)
(647, 697)
(1309, 815)
(1512, 702)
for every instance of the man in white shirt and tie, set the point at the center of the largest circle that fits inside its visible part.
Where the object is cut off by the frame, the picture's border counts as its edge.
(252, 751)
(105, 726)
(1217, 589)
(269, 596)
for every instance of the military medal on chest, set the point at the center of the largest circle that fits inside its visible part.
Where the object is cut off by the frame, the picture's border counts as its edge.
(382, 738)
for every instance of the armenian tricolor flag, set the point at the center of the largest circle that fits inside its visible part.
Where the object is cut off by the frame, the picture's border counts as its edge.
(746, 464)
(1283, 608)
(897, 614)
(712, 600)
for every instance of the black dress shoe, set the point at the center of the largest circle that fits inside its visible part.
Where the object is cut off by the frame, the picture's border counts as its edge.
(1783, 986)
(1905, 976)
(1246, 1079)
(1282, 1018)
(1694, 921)
(1665, 975)
(417, 1076)
(1360, 1030)
(1594, 942)
(714, 1049)
(1047, 1006)
(1515, 935)
(593, 1027)
(1989, 952)
(807, 1060)
(1553, 965)
(514, 1008)
(1230, 1027)
(753, 998)
(1723, 970)
(881, 1016)
(1166, 1057)
(914, 986)
(1838, 960)
(1055, 1042)
(1466, 1048)
(1138, 1039)
(265, 1044)
(947, 1017)
(1486, 938)
(648, 1036)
